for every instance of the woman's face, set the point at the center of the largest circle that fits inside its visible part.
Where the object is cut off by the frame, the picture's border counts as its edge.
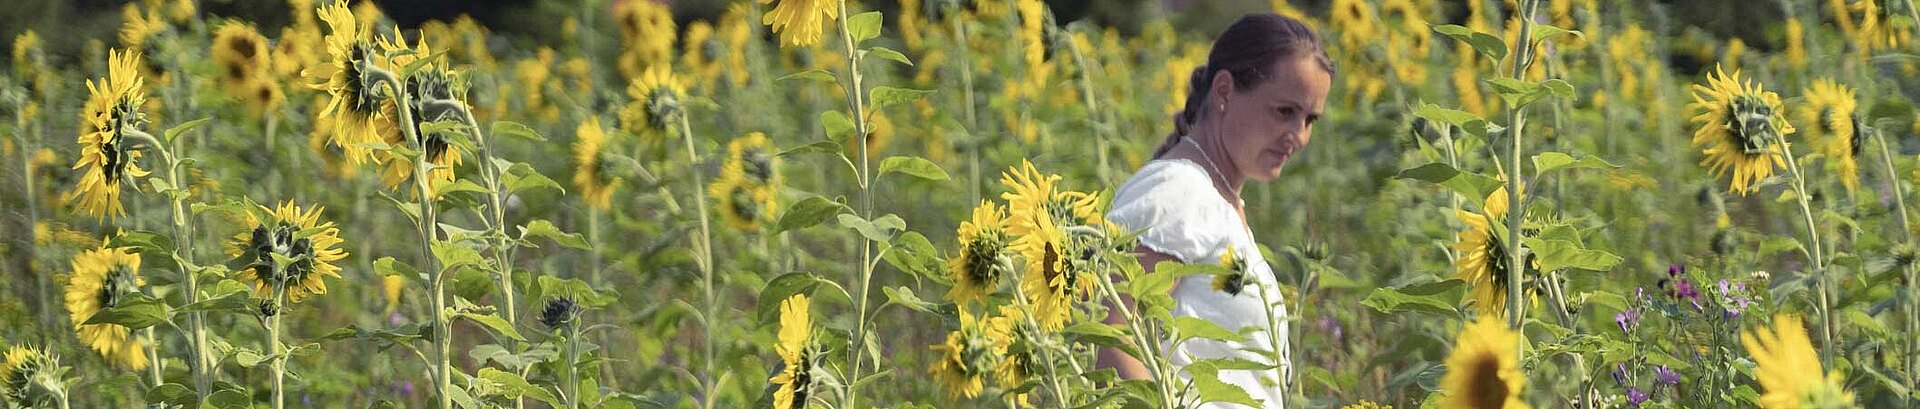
(1261, 127)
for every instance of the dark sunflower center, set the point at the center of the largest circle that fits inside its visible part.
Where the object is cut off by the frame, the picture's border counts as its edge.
(243, 45)
(758, 164)
(1859, 134)
(743, 204)
(802, 377)
(1486, 390)
(115, 286)
(360, 99)
(714, 50)
(661, 106)
(1750, 122)
(265, 242)
(982, 255)
(111, 150)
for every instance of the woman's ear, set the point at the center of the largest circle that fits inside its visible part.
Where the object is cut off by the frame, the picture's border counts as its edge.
(1221, 90)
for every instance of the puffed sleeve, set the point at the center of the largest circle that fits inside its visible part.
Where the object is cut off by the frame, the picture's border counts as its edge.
(1176, 210)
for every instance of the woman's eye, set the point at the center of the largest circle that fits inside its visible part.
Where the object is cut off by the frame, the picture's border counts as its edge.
(1287, 112)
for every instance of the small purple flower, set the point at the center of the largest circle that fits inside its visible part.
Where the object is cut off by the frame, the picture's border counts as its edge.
(1675, 270)
(1636, 396)
(1684, 289)
(1627, 319)
(1620, 373)
(1665, 376)
(1331, 326)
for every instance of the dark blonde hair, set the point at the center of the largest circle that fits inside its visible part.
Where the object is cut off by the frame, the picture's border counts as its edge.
(1249, 49)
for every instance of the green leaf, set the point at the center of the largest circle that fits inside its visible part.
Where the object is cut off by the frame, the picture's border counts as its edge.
(838, 125)
(517, 130)
(911, 252)
(864, 26)
(879, 230)
(785, 286)
(1490, 45)
(1193, 327)
(1517, 93)
(580, 291)
(807, 213)
(914, 166)
(882, 97)
(1559, 88)
(1435, 298)
(229, 399)
(1543, 32)
(1474, 186)
(234, 301)
(521, 176)
(1464, 120)
(904, 297)
(1559, 254)
(1206, 381)
(172, 394)
(1552, 161)
(495, 323)
(453, 255)
(144, 242)
(183, 127)
(546, 229)
(816, 147)
(890, 55)
(518, 386)
(136, 312)
(813, 74)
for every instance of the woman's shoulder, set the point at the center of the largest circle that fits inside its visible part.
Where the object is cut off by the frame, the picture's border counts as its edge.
(1173, 204)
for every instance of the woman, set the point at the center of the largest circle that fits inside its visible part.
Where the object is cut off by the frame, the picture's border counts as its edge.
(1248, 110)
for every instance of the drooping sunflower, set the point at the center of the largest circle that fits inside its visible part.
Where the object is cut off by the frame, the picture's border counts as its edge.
(983, 258)
(656, 102)
(800, 23)
(354, 114)
(795, 380)
(1483, 371)
(245, 71)
(1484, 260)
(1789, 371)
(702, 52)
(1235, 279)
(292, 233)
(100, 279)
(32, 376)
(1048, 283)
(749, 182)
(1016, 355)
(590, 173)
(965, 359)
(1740, 125)
(431, 83)
(1836, 132)
(735, 31)
(112, 109)
(648, 33)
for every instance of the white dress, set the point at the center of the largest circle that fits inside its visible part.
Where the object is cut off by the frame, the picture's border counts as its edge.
(1183, 216)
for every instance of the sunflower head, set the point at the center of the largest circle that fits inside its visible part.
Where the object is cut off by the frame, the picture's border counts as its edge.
(1789, 370)
(1483, 371)
(1235, 278)
(560, 313)
(648, 31)
(966, 358)
(241, 54)
(752, 156)
(983, 258)
(112, 110)
(800, 23)
(796, 351)
(104, 278)
(1484, 260)
(657, 102)
(32, 376)
(287, 251)
(744, 204)
(355, 115)
(1838, 128)
(593, 173)
(1740, 126)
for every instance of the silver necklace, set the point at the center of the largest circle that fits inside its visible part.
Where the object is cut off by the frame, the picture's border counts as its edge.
(1217, 174)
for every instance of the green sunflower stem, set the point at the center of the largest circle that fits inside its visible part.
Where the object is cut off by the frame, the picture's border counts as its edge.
(1093, 105)
(497, 210)
(857, 101)
(1516, 210)
(442, 329)
(1825, 304)
(277, 351)
(27, 193)
(1148, 345)
(973, 122)
(183, 239)
(705, 250)
(1912, 271)
(573, 366)
(154, 371)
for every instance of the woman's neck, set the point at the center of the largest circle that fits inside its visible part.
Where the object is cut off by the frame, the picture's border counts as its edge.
(1226, 181)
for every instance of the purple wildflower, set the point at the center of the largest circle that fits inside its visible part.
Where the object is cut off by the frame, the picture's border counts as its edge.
(1637, 396)
(1665, 376)
(1627, 319)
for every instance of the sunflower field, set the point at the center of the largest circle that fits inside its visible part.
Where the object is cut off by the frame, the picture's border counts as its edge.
(901, 204)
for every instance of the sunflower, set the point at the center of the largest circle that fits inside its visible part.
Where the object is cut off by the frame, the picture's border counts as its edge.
(656, 102)
(1235, 279)
(795, 379)
(355, 116)
(1739, 126)
(112, 109)
(976, 270)
(1009, 344)
(744, 205)
(1796, 39)
(101, 278)
(1035, 195)
(1786, 367)
(1483, 255)
(1367, 404)
(749, 182)
(735, 31)
(590, 173)
(32, 376)
(245, 72)
(534, 72)
(1837, 128)
(702, 53)
(432, 82)
(1049, 284)
(1483, 371)
(1354, 20)
(648, 31)
(1877, 31)
(292, 233)
(752, 157)
(800, 23)
(1033, 44)
(963, 361)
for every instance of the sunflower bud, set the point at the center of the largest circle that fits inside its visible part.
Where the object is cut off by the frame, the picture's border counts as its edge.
(559, 313)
